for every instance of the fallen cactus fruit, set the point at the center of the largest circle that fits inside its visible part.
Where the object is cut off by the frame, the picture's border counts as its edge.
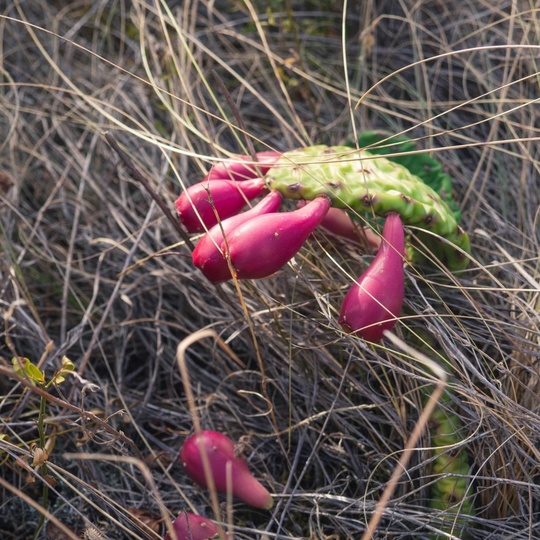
(223, 464)
(263, 245)
(197, 206)
(375, 300)
(208, 255)
(242, 167)
(188, 526)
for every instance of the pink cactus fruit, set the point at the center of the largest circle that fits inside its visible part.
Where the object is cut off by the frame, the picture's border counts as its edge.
(209, 257)
(264, 244)
(196, 205)
(220, 452)
(242, 167)
(376, 298)
(188, 526)
(340, 223)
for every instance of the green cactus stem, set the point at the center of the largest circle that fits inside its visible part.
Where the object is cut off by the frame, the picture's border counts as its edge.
(359, 182)
(451, 491)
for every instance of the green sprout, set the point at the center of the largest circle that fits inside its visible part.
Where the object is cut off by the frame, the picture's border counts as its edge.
(29, 371)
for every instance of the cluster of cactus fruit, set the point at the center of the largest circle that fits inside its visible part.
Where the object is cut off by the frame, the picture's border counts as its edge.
(335, 184)
(334, 187)
(210, 460)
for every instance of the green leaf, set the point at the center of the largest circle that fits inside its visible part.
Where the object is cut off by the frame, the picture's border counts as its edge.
(25, 368)
(3, 437)
(67, 364)
(68, 367)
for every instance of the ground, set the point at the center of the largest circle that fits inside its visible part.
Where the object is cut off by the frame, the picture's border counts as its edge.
(98, 290)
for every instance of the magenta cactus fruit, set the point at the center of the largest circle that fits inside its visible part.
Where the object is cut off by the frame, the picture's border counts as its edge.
(264, 244)
(242, 167)
(198, 205)
(208, 255)
(340, 223)
(375, 300)
(220, 452)
(188, 526)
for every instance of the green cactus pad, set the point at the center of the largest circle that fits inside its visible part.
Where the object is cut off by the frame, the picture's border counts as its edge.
(450, 491)
(360, 182)
(421, 164)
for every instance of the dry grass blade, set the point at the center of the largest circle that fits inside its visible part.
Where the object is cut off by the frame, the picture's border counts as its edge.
(91, 269)
(28, 500)
(409, 448)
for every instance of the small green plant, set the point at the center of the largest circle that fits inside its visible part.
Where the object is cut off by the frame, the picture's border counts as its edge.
(41, 450)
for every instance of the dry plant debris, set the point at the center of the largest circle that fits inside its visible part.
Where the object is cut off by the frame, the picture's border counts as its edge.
(92, 271)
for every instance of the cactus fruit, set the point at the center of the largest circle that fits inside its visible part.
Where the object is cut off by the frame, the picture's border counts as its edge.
(188, 526)
(340, 223)
(264, 244)
(198, 205)
(357, 181)
(209, 255)
(375, 299)
(242, 167)
(229, 474)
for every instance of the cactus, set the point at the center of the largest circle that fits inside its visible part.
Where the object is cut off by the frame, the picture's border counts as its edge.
(357, 181)
(428, 169)
(450, 492)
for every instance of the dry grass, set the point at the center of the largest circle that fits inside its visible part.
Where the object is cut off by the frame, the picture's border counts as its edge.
(91, 269)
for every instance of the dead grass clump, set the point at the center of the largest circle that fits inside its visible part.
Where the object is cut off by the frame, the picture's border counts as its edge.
(92, 270)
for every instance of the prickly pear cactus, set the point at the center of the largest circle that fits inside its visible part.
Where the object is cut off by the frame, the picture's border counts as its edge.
(403, 150)
(451, 491)
(360, 182)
